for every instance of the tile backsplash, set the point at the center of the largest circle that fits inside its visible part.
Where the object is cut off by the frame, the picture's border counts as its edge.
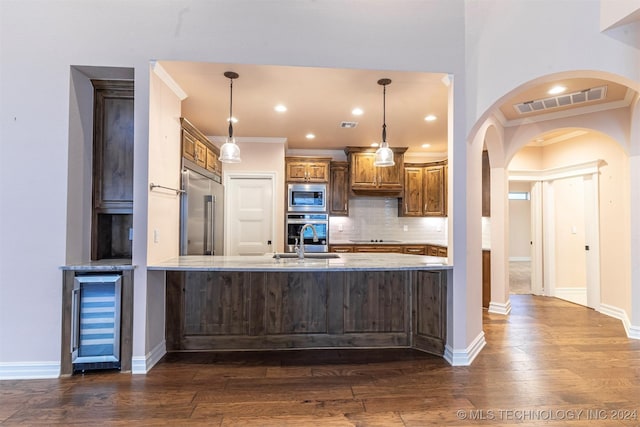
(377, 218)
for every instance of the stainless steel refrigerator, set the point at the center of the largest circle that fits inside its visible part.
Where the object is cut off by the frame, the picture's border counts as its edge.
(201, 211)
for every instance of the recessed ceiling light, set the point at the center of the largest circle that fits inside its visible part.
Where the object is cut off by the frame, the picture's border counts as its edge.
(556, 90)
(430, 118)
(374, 144)
(310, 136)
(426, 145)
(233, 120)
(280, 108)
(357, 111)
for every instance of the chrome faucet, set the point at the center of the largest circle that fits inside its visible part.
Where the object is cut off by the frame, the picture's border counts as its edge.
(300, 248)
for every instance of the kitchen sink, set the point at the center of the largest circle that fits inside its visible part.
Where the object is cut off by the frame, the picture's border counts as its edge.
(310, 255)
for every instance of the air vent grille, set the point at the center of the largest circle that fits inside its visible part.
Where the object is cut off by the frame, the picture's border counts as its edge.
(348, 125)
(587, 95)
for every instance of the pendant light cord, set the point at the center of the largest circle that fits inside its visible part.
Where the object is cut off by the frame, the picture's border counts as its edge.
(231, 109)
(384, 114)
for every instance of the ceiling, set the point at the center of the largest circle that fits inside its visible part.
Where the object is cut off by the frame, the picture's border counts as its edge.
(318, 100)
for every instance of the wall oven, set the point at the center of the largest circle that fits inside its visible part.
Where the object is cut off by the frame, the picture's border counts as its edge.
(307, 197)
(295, 222)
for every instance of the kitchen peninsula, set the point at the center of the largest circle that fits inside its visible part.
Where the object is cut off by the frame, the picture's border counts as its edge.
(336, 301)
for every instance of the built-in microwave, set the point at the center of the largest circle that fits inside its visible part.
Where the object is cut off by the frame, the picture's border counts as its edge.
(307, 197)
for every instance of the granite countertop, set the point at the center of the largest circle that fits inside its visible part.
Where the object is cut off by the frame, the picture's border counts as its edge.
(100, 265)
(345, 262)
(388, 242)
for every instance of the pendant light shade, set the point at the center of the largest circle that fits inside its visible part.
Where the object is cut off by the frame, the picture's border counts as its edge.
(230, 152)
(384, 154)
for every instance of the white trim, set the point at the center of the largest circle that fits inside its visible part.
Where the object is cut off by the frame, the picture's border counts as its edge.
(29, 370)
(168, 80)
(632, 332)
(575, 295)
(579, 169)
(520, 258)
(500, 308)
(142, 365)
(465, 357)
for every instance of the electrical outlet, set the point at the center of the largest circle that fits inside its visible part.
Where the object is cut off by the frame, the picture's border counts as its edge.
(340, 227)
(156, 236)
(405, 227)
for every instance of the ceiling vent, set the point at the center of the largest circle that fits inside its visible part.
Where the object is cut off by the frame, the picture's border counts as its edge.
(563, 100)
(348, 125)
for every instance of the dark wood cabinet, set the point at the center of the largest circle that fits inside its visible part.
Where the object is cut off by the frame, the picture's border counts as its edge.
(112, 186)
(486, 278)
(367, 179)
(307, 169)
(225, 310)
(486, 184)
(430, 250)
(425, 190)
(377, 248)
(197, 148)
(339, 189)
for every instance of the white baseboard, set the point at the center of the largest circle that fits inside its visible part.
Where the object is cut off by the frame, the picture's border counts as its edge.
(500, 308)
(575, 295)
(618, 313)
(465, 357)
(29, 370)
(143, 364)
(520, 258)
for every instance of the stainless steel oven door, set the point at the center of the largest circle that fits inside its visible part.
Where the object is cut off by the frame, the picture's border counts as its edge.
(295, 222)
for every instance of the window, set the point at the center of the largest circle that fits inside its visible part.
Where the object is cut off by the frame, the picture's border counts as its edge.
(519, 195)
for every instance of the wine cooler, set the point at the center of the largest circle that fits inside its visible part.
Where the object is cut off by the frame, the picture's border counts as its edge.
(95, 322)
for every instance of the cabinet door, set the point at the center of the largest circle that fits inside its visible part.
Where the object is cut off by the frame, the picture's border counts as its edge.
(339, 189)
(363, 172)
(296, 171)
(390, 178)
(188, 146)
(201, 154)
(412, 200)
(212, 161)
(318, 172)
(434, 199)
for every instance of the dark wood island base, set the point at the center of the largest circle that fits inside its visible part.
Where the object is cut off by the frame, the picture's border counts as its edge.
(271, 310)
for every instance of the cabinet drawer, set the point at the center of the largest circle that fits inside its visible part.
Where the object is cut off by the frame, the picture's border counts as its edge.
(415, 250)
(341, 249)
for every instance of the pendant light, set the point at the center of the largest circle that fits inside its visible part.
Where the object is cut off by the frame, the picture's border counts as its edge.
(230, 152)
(384, 154)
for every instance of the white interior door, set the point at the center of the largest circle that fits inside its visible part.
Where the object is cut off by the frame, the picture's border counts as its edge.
(572, 247)
(249, 213)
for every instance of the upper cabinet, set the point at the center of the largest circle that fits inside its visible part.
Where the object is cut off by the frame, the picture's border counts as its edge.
(197, 148)
(367, 179)
(307, 169)
(425, 190)
(339, 189)
(112, 201)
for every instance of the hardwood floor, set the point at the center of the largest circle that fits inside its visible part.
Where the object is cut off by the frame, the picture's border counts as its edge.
(549, 360)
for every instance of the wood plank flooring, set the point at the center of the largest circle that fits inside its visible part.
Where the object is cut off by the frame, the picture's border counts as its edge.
(548, 361)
